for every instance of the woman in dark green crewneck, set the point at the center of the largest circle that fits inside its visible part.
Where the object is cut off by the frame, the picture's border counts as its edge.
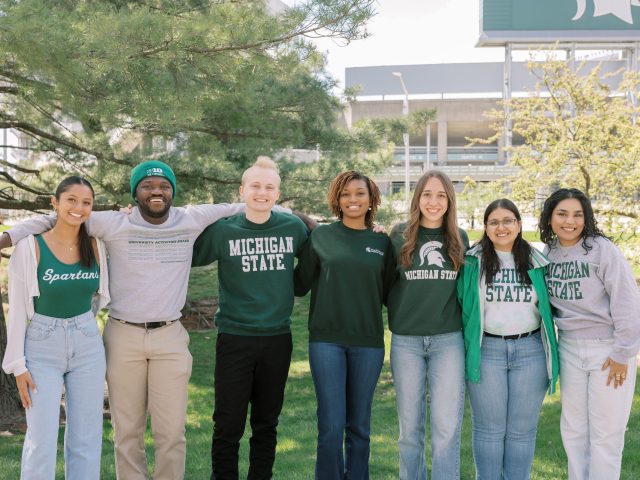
(348, 268)
(427, 348)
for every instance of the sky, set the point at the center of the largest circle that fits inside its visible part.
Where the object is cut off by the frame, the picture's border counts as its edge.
(409, 32)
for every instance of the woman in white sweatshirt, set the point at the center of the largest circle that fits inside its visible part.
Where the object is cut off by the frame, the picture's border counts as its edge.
(596, 303)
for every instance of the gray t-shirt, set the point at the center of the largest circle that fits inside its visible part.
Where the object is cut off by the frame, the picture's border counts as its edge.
(594, 295)
(148, 264)
(510, 305)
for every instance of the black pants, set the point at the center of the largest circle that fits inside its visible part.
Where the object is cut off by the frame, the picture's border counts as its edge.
(249, 369)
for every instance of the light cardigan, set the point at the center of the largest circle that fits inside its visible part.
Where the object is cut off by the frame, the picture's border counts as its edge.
(23, 286)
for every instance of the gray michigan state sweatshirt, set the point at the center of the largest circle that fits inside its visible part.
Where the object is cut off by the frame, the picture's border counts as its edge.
(594, 295)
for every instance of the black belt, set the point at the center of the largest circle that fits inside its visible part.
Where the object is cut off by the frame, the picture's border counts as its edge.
(146, 325)
(513, 337)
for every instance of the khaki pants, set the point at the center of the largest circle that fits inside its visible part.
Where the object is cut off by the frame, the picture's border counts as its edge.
(148, 371)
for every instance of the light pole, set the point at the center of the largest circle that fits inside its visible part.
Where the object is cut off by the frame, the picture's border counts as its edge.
(405, 137)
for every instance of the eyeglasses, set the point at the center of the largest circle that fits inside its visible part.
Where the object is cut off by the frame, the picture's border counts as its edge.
(505, 222)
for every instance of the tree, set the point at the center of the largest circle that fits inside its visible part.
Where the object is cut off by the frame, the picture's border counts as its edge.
(475, 197)
(10, 405)
(578, 132)
(97, 86)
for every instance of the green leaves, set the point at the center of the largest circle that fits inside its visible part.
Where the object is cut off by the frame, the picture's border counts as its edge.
(98, 85)
(578, 132)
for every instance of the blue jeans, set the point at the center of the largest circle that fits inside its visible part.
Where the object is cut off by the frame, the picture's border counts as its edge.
(505, 406)
(436, 361)
(65, 352)
(345, 379)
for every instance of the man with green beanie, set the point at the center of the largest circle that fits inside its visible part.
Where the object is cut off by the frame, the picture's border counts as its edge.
(148, 360)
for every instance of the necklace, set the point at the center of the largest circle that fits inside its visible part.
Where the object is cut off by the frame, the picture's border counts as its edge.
(430, 237)
(68, 247)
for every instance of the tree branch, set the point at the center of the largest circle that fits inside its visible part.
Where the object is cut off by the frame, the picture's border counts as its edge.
(21, 185)
(17, 167)
(44, 203)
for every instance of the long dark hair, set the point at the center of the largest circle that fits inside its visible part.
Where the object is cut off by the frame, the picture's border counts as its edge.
(84, 241)
(521, 249)
(452, 239)
(341, 181)
(590, 229)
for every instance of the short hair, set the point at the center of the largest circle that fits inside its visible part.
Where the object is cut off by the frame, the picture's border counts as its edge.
(261, 162)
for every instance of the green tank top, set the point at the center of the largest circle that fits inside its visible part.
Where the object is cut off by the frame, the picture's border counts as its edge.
(65, 290)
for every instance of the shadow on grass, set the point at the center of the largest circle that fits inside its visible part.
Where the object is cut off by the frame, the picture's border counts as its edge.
(297, 430)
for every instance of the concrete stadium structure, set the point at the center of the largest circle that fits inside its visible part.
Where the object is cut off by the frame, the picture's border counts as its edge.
(461, 93)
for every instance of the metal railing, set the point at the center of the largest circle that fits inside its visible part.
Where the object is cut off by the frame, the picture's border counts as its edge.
(457, 173)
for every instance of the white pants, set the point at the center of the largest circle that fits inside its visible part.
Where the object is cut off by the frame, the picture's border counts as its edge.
(594, 415)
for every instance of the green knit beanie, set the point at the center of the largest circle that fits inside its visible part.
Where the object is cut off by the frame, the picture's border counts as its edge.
(152, 168)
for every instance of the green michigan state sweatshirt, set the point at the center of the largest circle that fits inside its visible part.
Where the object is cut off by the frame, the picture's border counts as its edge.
(348, 272)
(423, 299)
(255, 271)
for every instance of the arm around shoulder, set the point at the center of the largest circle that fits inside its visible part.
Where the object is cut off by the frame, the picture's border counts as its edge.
(205, 249)
(31, 226)
(207, 214)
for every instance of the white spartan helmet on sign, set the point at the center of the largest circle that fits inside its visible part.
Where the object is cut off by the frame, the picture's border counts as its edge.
(618, 8)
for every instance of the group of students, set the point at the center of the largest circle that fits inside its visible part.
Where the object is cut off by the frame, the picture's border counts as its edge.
(484, 318)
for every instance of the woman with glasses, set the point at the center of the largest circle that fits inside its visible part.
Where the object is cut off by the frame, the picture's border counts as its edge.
(511, 356)
(596, 303)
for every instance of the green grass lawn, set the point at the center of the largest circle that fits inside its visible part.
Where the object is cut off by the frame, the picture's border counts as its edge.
(297, 430)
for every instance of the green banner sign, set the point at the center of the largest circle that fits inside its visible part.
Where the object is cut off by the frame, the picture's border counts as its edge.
(572, 20)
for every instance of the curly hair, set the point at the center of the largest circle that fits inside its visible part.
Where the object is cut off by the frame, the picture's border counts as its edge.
(452, 240)
(548, 236)
(340, 182)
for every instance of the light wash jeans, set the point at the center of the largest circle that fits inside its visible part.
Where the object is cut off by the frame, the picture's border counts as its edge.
(435, 361)
(345, 379)
(65, 352)
(505, 406)
(594, 415)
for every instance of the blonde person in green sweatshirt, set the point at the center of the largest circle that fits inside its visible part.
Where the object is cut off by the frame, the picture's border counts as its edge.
(596, 303)
(255, 252)
(348, 267)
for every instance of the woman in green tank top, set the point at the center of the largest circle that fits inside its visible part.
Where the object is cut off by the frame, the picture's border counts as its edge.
(54, 340)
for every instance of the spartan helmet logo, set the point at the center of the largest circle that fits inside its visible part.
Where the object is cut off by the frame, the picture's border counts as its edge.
(429, 252)
(618, 8)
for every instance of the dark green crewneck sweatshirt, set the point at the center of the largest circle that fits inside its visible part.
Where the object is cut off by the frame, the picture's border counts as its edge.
(349, 272)
(255, 271)
(423, 298)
